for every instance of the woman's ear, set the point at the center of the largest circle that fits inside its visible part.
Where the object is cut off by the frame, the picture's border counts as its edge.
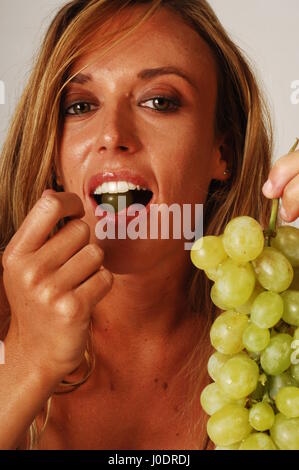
(221, 169)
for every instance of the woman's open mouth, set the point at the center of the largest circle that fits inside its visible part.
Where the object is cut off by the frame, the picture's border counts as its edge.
(128, 198)
(113, 193)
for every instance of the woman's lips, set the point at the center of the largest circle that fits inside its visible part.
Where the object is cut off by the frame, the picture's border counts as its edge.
(118, 175)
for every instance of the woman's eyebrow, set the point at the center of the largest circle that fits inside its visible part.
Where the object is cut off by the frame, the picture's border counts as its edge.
(145, 74)
(81, 78)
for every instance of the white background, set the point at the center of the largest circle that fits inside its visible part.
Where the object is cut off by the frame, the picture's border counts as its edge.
(267, 30)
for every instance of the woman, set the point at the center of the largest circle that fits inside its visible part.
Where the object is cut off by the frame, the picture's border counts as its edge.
(144, 92)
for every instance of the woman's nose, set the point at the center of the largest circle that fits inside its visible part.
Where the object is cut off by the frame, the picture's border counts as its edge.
(117, 132)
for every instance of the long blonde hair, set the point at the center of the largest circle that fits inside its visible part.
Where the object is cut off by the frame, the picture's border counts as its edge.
(31, 151)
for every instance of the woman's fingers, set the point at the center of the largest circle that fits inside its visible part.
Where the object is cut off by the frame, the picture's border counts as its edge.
(283, 182)
(42, 218)
(283, 171)
(290, 201)
(80, 267)
(96, 287)
(64, 244)
(53, 284)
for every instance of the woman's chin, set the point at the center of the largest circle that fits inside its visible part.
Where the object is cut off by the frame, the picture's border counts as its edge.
(133, 256)
(126, 256)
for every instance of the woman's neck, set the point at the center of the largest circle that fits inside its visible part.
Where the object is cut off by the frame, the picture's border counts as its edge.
(141, 330)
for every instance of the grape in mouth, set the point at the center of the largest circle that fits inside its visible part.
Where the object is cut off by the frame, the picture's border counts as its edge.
(142, 197)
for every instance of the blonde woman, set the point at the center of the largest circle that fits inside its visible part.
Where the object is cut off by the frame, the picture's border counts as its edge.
(155, 94)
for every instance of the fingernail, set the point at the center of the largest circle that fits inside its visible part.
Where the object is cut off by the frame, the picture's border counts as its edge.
(283, 213)
(47, 191)
(268, 187)
(107, 275)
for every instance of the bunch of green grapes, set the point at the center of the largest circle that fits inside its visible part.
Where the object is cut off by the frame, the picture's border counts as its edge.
(253, 402)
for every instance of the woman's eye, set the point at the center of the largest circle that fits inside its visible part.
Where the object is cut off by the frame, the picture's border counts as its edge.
(160, 104)
(79, 108)
(163, 104)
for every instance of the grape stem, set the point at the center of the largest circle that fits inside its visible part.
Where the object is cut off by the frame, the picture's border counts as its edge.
(271, 231)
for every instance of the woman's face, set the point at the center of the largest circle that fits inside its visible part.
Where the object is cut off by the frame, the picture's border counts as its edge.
(120, 125)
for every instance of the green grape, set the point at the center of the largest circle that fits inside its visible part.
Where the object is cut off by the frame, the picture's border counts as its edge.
(285, 432)
(113, 200)
(235, 283)
(238, 377)
(267, 309)
(256, 339)
(229, 425)
(261, 282)
(273, 270)
(227, 332)
(276, 358)
(287, 401)
(258, 441)
(212, 399)
(261, 416)
(212, 273)
(295, 283)
(243, 239)
(231, 447)
(277, 382)
(215, 363)
(246, 308)
(287, 241)
(208, 252)
(216, 299)
(291, 307)
(294, 371)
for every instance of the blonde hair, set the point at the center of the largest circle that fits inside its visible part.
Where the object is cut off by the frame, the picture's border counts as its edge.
(30, 154)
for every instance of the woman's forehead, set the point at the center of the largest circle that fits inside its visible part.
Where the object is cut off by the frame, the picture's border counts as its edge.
(162, 40)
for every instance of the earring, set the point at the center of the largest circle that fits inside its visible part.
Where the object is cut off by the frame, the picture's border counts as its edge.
(226, 172)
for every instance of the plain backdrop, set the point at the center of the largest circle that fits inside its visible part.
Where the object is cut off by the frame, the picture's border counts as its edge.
(266, 30)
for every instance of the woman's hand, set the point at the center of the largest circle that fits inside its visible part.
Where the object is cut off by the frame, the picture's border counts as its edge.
(52, 285)
(283, 183)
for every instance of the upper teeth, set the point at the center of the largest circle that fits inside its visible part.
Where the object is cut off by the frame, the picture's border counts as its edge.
(114, 187)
